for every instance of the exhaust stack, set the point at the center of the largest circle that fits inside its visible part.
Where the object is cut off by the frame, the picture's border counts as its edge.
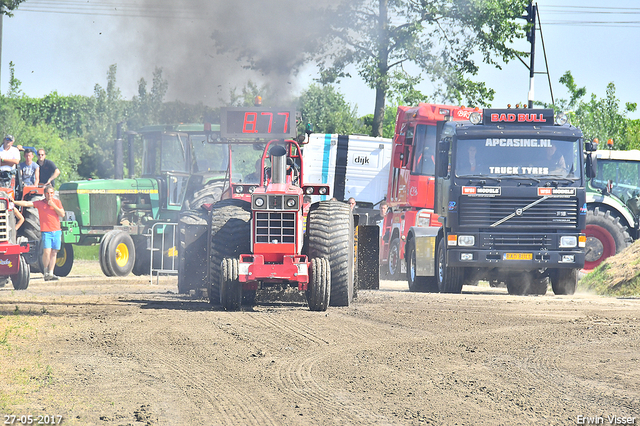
(278, 164)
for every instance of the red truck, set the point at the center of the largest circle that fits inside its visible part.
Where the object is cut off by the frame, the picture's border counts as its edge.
(411, 185)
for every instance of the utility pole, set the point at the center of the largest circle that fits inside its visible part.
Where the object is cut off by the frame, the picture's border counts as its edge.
(532, 10)
(1, 19)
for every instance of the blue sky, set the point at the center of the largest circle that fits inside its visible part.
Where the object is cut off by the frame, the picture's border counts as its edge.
(68, 46)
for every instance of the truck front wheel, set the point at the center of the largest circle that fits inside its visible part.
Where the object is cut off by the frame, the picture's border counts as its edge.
(417, 283)
(564, 281)
(394, 260)
(606, 236)
(449, 278)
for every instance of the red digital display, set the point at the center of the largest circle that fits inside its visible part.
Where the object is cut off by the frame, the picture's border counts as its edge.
(273, 123)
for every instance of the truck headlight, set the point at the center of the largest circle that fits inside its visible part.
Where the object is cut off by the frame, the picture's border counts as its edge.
(568, 241)
(466, 240)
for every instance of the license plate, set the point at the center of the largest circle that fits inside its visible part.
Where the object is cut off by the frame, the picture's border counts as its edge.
(517, 256)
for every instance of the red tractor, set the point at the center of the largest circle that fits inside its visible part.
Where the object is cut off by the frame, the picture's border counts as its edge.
(261, 244)
(13, 263)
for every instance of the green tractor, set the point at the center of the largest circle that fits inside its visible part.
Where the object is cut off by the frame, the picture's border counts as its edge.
(613, 202)
(183, 167)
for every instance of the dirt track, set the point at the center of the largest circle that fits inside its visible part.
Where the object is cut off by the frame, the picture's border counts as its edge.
(105, 351)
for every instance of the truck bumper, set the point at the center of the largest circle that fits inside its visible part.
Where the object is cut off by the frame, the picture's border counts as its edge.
(293, 269)
(516, 259)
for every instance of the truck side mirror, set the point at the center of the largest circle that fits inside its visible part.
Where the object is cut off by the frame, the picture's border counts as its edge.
(398, 156)
(591, 166)
(442, 163)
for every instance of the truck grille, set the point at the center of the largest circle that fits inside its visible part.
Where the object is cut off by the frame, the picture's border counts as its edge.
(517, 241)
(552, 213)
(275, 227)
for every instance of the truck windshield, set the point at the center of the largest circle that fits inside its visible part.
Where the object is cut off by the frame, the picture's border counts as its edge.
(517, 156)
(209, 157)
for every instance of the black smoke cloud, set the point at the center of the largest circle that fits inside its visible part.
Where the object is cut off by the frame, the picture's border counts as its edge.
(207, 48)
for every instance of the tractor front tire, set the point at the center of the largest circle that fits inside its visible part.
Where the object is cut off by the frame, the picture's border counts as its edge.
(120, 254)
(230, 287)
(20, 280)
(64, 261)
(319, 288)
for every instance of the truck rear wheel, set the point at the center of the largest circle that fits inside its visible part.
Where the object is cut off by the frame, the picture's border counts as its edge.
(20, 280)
(64, 261)
(417, 283)
(319, 287)
(229, 237)
(449, 278)
(230, 287)
(330, 233)
(394, 261)
(192, 249)
(606, 236)
(564, 281)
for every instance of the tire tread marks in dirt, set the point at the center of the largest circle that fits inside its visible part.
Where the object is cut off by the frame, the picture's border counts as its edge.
(330, 232)
(606, 236)
(229, 236)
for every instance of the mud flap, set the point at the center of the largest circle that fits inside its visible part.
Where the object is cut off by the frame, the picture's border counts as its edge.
(367, 259)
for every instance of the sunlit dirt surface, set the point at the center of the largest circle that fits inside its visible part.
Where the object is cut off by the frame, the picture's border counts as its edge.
(123, 351)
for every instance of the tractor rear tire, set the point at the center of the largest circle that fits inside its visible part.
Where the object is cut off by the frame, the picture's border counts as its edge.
(319, 288)
(30, 229)
(418, 283)
(64, 261)
(20, 280)
(606, 236)
(229, 237)
(450, 278)
(209, 194)
(192, 250)
(230, 287)
(330, 233)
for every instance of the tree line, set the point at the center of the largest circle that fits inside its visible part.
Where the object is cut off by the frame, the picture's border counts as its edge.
(78, 131)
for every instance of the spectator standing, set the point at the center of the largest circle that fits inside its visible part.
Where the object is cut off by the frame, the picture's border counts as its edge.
(50, 211)
(9, 154)
(29, 169)
(48, 170)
